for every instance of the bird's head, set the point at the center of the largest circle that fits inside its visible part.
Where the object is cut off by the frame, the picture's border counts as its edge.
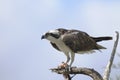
(51, 35)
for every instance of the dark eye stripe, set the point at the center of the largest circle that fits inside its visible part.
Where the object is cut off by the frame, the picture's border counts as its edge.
(55, 35)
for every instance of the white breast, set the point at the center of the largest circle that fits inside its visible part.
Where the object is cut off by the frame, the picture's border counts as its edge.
(62, 46)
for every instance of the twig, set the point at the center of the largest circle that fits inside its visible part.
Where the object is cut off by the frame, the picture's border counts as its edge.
(73, 76)
(109, 65)
(66, 76)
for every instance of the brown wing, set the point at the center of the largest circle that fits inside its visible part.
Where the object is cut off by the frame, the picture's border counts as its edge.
(55, 46)
(79, 41)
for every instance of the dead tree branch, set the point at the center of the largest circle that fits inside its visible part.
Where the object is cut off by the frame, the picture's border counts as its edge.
(86, 71)
(109, 65)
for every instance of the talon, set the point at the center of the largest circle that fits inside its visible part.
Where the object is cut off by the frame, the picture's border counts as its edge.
(63, 65)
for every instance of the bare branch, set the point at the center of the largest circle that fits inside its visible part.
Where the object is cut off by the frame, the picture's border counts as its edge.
(86, 71)
(109, 65)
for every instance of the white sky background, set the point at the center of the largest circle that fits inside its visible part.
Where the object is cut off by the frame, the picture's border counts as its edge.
(24, 56)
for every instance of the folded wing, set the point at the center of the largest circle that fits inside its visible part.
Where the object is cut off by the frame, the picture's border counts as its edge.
(79, 41)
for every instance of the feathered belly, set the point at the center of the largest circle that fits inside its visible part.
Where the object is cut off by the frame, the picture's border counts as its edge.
(86, 52)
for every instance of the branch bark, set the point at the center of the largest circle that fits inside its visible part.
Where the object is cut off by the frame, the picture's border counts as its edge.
(110, 62)
(74, 70)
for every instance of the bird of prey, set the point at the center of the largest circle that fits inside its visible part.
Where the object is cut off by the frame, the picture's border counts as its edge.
(73, 41)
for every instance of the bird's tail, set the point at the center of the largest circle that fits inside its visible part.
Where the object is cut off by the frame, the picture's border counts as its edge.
(100, 47)
(98, 39)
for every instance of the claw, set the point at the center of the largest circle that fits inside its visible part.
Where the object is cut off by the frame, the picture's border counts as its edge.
(65, 66)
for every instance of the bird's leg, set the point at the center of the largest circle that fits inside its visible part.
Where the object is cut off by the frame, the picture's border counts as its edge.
(68, 68)
(72, 58)
(66, 63)
(68, 57)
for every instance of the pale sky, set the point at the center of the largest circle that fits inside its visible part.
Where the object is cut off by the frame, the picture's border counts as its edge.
(24, 56)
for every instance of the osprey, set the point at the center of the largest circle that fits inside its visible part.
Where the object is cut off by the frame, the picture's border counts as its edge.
(73, 41)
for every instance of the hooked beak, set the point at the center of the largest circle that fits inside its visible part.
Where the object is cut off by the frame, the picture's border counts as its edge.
(43, 37)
